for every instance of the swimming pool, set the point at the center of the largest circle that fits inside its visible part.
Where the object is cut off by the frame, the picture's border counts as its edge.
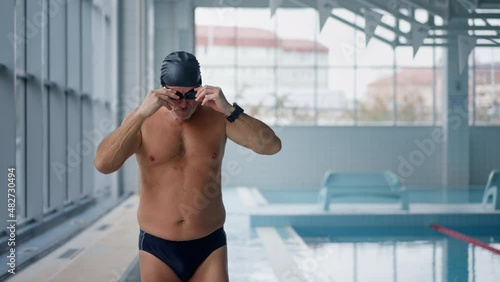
(388, 258)
(366, 241)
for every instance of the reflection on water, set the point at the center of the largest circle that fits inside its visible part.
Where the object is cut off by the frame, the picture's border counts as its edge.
(395, 259)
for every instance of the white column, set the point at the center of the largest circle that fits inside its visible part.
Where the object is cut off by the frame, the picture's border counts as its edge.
(455, 116)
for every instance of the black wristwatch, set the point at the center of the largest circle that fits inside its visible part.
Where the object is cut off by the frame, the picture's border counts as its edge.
(235, 114)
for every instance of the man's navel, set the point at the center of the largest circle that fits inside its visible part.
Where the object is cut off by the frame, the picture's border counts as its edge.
(152, 158)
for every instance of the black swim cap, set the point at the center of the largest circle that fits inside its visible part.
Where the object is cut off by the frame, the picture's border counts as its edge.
(180, 69)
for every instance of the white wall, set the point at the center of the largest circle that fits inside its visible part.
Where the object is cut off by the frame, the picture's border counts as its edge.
(484, 152)
(309, 151)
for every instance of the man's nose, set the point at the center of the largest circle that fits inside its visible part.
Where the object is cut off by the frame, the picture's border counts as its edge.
(183, 102)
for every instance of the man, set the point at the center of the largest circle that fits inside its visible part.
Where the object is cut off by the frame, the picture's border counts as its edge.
(178, 135)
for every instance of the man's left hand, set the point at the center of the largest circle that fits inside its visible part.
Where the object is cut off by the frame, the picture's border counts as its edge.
(213, 97)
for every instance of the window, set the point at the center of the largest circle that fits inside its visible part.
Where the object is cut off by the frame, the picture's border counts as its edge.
(375, 95)
(486, 93)
(295, 99)
(254, 90)
(347, 82)
(47, 92)
(336, 97)
(414, 88)
(20, 98)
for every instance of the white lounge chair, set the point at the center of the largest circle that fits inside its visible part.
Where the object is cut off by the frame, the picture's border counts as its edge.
(491, 190)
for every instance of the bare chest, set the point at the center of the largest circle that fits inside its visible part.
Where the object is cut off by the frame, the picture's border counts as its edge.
(195, 142)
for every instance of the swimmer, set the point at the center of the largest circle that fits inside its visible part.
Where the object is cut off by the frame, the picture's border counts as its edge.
(178, 135)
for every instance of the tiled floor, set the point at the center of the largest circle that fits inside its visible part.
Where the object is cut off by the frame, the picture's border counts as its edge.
(100, 253)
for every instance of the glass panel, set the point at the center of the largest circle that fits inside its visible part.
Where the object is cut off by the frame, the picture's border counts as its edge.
(375, 95)
(494, 111)
(223, 77)
(483, 55)
(297, 38)
(470, 91)
(99, 61)
(242, 46)
(487, 94)
(414, 95)
(20, 148)
(256, 92)
(336, 97)
(20, 92)
(215, 36)
(438, 76)
(295, 98)
(20, 36)
(439, 96)
(340, 40)
(421, 15)
(423, 58)
(488, 86)
(255, 38)
(376, 53)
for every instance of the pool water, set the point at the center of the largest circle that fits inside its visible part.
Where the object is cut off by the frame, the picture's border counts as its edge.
(247, 259)
(408, 259)
(339, 251)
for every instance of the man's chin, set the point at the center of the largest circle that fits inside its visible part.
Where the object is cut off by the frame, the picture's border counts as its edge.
(182, 116)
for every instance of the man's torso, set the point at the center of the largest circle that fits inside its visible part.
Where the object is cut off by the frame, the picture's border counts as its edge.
(179, 165)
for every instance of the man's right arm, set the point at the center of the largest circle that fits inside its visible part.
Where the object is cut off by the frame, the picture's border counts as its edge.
(124, 141)
(120, 144)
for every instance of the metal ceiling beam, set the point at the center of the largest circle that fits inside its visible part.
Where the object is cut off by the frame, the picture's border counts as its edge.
(396, 15)
(382, 24)
(418, 6)
(467, 27)
(476, 36)
(446, 45)
(488, 4)
(356, 9)
(483, 16)
(394, 44)
(361, 29)
(399, 15)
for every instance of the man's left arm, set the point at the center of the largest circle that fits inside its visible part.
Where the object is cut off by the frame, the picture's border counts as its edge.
(245, 130)
(252, 133)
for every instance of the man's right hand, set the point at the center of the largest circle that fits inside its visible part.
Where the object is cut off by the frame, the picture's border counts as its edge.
(155, 100)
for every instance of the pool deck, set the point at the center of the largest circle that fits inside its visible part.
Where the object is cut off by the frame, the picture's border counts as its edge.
(477, 217)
